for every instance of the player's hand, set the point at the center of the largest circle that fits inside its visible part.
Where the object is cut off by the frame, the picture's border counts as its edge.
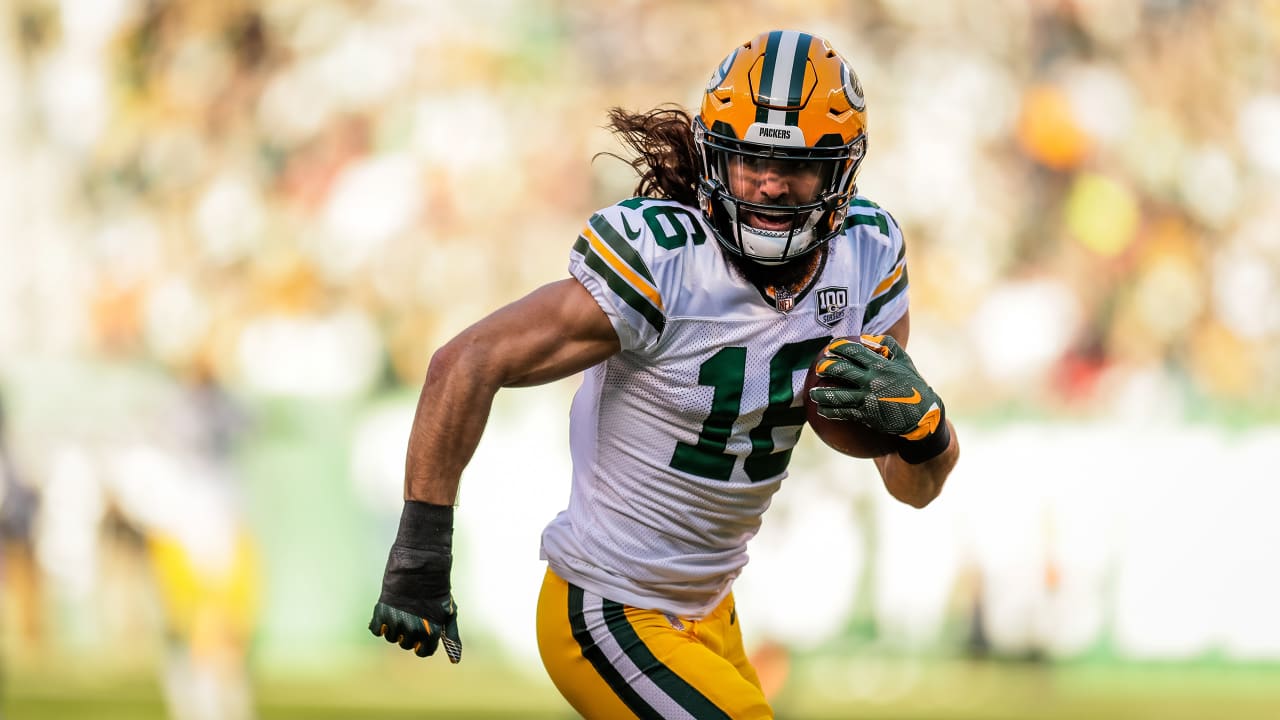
(416, 608)
(422, 635)
(880, 387)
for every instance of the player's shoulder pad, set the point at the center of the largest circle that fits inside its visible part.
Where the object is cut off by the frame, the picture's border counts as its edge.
(655, 238)
(886, 262)
(620, 239)
(618, 248)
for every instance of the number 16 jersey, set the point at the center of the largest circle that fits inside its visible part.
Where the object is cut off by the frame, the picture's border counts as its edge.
(680, 440)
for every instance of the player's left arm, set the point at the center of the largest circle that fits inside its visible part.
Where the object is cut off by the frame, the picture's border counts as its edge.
(879, 386)
(918, 483)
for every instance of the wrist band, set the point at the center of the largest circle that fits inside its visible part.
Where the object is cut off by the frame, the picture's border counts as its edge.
(423, 525)
(929, 447)
(421, 558)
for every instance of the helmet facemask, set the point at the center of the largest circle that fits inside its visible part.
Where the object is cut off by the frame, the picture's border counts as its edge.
(819, 184)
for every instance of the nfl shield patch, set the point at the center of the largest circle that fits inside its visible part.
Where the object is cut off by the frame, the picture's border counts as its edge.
(832, 302)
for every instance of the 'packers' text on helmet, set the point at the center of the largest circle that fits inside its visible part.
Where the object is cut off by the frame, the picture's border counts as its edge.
(782, 132)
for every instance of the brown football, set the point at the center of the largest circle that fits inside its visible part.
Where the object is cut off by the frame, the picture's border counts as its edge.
(846, 436)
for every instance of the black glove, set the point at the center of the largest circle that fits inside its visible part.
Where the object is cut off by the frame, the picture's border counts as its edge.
(416, 608)
(881, 388)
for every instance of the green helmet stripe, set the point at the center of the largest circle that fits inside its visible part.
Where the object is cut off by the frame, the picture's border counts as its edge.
(782, 77)
(796, 89)
(766, 74)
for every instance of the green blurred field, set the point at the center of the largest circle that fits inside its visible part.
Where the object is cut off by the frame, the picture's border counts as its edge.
(818, 688)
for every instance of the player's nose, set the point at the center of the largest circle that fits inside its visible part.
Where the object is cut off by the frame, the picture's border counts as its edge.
(773, 184)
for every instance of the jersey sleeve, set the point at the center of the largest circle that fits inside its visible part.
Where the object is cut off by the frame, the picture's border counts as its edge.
(613, 262)
(887, 302)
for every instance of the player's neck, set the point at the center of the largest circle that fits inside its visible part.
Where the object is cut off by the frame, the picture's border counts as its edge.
(782, 285)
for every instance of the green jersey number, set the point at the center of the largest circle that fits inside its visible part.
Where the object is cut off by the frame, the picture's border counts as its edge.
(725, 372)
(671, 226)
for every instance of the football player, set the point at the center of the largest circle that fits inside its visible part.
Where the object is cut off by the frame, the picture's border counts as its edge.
(693, 311)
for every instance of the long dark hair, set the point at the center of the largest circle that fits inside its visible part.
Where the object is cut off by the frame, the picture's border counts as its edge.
(670, 167)
(666, 155)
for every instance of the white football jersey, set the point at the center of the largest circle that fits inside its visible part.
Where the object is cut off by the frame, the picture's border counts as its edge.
(680, 440)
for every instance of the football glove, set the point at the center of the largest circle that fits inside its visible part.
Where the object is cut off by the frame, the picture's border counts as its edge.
(416, 609)
(881, 388)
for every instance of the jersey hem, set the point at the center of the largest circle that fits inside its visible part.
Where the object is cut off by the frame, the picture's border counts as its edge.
(638, 599)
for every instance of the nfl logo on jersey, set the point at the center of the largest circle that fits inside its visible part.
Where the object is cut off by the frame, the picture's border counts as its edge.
(832, 302)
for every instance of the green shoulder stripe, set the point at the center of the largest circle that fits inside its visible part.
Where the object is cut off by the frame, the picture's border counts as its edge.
(620, 246)
(873, 307)
(902, 252)
(616, 283)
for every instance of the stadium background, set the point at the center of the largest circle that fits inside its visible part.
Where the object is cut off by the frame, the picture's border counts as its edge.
(232, 233)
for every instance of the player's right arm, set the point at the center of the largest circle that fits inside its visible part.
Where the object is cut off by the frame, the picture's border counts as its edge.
(553, 332)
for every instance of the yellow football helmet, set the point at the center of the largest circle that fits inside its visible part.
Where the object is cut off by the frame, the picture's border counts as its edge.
(787, 102)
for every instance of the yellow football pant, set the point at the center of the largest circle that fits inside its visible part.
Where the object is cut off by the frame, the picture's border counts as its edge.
(611, 660)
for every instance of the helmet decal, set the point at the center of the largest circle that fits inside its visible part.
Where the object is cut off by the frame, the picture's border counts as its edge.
(775, 135)
(852, 87)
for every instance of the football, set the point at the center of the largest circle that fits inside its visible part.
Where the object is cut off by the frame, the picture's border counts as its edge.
(846, 436)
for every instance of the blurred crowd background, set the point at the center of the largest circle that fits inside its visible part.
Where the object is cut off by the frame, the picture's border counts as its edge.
(233, 232)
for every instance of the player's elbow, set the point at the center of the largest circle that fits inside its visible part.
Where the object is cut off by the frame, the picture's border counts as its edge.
(916, 490)
(467, 361)
(922, 494)
(919, 485)
(445, 361)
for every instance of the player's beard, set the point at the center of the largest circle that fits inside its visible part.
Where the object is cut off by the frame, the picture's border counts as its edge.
(791, 275)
